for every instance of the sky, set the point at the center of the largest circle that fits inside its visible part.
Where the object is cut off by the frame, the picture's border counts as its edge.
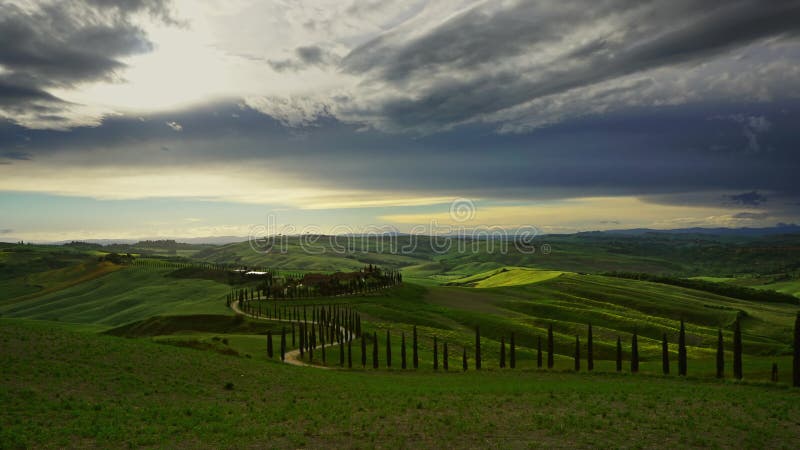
(156, 118)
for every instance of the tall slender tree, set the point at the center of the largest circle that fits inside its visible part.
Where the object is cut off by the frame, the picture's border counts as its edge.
(403, 350)
(774, 376)
(512, 353)
(477, 348)
(322, 346)
(445, 356)
(720, 355)
(577, 353)
(435, 354)
(664, 354)
(796, 353)
(388, 349)
(341, 353)
(539, 352)
(283, 344)
(619, 354)
(737, 349)
(682, 350)
(375, 350)
(589, 350)
(349, 353)
(634, 353)
(414, 351)
(502, 352)
(363, 351)
(550, 346)
(302, 341)
(464, 360)
(269, 344)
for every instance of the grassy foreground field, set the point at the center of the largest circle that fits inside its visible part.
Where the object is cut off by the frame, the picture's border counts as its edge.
(66, 388)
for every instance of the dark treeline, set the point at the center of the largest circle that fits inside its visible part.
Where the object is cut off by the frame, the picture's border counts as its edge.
(287, 286)
(725, 289)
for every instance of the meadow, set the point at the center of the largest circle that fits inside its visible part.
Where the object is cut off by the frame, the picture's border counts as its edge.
(96, 353)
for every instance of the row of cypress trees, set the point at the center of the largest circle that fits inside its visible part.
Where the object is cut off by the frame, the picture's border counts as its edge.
(309, 334)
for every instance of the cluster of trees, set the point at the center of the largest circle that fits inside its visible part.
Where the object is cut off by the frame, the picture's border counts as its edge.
(315, 328)
(291, 287)
(117, 258)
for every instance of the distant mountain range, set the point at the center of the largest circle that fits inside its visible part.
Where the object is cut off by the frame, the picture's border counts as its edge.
(781, 228)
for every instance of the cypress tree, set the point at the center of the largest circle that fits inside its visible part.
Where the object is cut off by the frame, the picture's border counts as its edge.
(435, 354)
(445, 356)
(283, 344)
(550, 346)
(477, 348)
(502, 352)
(363, 351)
(664, 354)
(414, 352)
(682, 350)
(796, 353)
(269, 344)
(737, 349)
(589, 350)
(312, 342)
(464, 359)
(577, 353)
(302, 342)
(619, 354)
(350, 354)
(403, 350)
(322, 346)
(388, 349)
(634, 353)
(539, 352)
(512, 353)
(774, 376)
(375, 350)
(720, 355)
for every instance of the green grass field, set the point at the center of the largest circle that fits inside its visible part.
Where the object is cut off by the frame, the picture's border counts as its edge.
(95, 354)
(78, 389)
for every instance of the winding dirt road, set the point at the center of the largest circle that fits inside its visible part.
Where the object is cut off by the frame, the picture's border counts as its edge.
(293, 356)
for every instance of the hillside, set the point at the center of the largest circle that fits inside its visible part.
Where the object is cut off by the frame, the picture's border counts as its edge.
(98, 391)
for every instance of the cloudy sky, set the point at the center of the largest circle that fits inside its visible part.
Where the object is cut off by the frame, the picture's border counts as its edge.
(145, 118)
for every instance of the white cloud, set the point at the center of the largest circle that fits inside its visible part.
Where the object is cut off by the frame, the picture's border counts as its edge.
(175, 125)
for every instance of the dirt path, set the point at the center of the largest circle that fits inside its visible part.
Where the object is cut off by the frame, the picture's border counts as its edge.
(293, 356)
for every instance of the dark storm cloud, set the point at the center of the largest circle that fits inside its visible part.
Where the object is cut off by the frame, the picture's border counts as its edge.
(304, 57)
(16, 155)
(61, 44)
(633, 153)
(749, 215)
(751, 198)
(477, 62)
